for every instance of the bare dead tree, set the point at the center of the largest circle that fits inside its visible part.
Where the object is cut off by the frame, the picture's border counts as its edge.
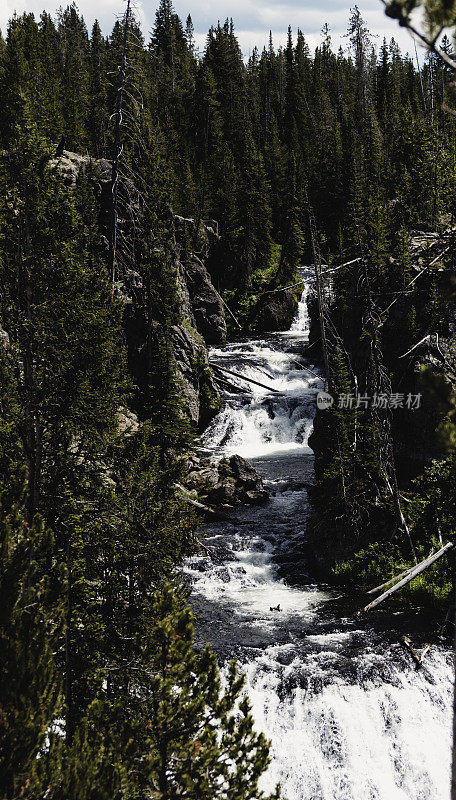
(118, 147)
(397, 11)
(320, 293)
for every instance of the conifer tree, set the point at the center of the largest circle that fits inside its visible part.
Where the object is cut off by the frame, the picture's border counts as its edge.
(98, 118)
(75, 66)
(201, 738)
(31, 690)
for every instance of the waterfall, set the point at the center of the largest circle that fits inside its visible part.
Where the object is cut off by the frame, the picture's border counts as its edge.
(348, 716)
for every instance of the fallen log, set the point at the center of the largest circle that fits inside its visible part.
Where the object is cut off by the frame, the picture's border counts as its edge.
(315, 374)
(200, 506)
(406, 641)
(413, 573)
(425, 650)
(424, 339)
(248, 361)
(391, 580)
(232, 387)
(282, 288)
(243, 377)
(231, 313)
(341, 266)
(303, 366)
(312, 344)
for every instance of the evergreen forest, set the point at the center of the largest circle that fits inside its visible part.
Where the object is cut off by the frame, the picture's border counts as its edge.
(127, 160)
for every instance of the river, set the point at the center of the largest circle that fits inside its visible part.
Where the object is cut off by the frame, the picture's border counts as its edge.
(348, 715)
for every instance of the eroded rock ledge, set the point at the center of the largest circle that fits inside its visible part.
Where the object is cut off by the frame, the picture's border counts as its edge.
(229, 482)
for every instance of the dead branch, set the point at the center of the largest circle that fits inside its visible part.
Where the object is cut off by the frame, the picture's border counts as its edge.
(244, 378)
(410, 576)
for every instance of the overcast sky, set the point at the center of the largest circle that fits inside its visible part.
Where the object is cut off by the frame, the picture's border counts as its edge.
(252, 18)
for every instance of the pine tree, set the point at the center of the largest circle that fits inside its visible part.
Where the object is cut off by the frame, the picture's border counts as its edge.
(360, 42)
(253, 237)
(75, 67)
(31, 691)
(201, 739)
(98, 119)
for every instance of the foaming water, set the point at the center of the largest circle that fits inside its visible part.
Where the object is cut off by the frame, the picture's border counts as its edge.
(266, 422)
(348, 716)
(386, 738)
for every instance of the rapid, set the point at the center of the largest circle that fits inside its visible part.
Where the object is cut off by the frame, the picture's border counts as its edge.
(348, 715)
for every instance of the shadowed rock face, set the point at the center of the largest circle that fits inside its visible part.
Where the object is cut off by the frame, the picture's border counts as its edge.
(201, 306)
(228, 482)
(275, 311)
(206, 303)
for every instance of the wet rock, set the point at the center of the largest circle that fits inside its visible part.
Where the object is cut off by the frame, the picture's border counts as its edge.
(256, 497)
(243, 471)
(275, 311)
(223, 575)
(223, 494)
(232, 481)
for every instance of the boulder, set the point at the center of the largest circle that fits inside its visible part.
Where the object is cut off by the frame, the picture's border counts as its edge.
(229, 482)
(275, 311)
(71, 165)
(223, 494)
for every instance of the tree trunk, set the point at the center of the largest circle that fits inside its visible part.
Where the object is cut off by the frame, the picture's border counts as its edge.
(118, 151)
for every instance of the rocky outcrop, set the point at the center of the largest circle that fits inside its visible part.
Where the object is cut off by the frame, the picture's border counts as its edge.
(206, 303)
(71, 166)
(229, 482)
(201, 241)
(4, 338)
(275, 311)
(201, 308)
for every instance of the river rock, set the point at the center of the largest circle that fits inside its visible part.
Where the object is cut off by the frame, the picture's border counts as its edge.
(223, 494)
(231, 481)
(275, 311)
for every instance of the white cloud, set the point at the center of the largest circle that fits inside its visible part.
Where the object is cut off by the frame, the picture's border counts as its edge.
(252, 18)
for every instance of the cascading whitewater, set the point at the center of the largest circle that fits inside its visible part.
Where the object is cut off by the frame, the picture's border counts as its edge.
(348, 716)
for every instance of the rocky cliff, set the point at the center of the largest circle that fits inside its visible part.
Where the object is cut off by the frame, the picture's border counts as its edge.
(202, 320)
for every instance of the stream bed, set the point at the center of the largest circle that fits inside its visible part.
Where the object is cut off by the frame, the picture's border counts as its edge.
(348, 715)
